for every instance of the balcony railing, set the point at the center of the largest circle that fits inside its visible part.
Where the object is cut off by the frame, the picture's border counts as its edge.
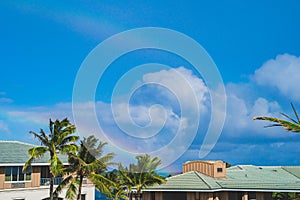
(46, 181)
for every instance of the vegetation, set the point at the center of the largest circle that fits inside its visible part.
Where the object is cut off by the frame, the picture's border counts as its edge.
(142, 174)
(285, 196)
(290, 124)
(59, 140)
(118, 189)
(88, 162)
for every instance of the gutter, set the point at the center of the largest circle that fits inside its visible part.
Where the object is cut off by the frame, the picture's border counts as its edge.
(221, 190)
(22, 164)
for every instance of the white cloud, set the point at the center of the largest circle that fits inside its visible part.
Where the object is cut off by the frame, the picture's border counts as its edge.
(42, 114)
(281, 73)
(240, 111)
(183, 84)
(168, 129)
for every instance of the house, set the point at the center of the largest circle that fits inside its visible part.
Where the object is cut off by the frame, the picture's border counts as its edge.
(34, 183)
(211, 180)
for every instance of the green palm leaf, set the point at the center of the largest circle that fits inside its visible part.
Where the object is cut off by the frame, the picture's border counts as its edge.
(293, 125)
(142, 174)
(73, 188)
(87, 161)
(59, 140)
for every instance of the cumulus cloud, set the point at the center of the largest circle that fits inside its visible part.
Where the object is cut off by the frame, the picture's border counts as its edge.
(153, 119)
(143, 126)
(158, 116)
(183, 84)
(240, 111)
(281, 73)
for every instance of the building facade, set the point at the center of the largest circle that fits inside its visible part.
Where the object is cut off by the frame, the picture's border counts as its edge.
(34, 183)
(211, 180)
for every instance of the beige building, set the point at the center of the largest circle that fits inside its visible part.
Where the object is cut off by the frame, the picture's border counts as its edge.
(34, 183)
(211, 180)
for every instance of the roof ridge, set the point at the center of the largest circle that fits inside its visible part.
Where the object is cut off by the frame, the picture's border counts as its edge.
(179, 174)
(15, 141)
(198, 174)
(285, 169)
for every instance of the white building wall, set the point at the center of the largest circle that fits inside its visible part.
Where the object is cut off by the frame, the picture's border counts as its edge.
(41, 193)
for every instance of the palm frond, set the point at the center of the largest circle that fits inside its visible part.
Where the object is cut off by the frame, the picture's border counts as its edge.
(288, 117)
(56, 166)
(101, 183)
(292, 125)
(63, 184)
(41, 138)
(289, 126)
(295, 112)
(34, 153)
(38, 151)
(72, 190)
(27, 164)
(68, 148)
(69, 139)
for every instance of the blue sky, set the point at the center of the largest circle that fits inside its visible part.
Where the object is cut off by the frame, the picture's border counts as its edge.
(255, 46)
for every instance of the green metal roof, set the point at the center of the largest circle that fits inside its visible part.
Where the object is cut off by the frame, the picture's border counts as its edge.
(243, 177)
(187, 181)
(255, 177)
(14, 152)
(293, 170)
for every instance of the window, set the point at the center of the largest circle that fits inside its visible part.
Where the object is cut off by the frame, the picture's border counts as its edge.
(45, 172)
(219, 169)
(16, 174)
(82, 197)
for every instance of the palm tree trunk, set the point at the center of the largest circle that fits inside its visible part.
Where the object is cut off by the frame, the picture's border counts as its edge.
(79, 188)
(51, 186)
(138, 194)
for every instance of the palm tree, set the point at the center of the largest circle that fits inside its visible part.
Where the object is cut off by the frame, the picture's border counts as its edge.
(59, 140)
(142, 174)
(291, 125)
(87, 162)
(118, 188)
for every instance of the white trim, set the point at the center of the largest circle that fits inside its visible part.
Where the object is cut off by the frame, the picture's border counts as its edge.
(220, 190)
(28, 181)
(22, 164)
(16, 142)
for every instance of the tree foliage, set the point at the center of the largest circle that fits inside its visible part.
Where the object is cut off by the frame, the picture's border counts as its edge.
(142, 174)
(88, 162)
(60, 140)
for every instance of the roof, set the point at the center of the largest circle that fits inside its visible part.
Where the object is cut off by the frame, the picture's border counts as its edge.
(238, 178)
(16, 153)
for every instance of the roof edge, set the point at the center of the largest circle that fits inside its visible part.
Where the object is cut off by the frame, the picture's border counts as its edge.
(218, 190)
(16, 142)
(22, 164)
